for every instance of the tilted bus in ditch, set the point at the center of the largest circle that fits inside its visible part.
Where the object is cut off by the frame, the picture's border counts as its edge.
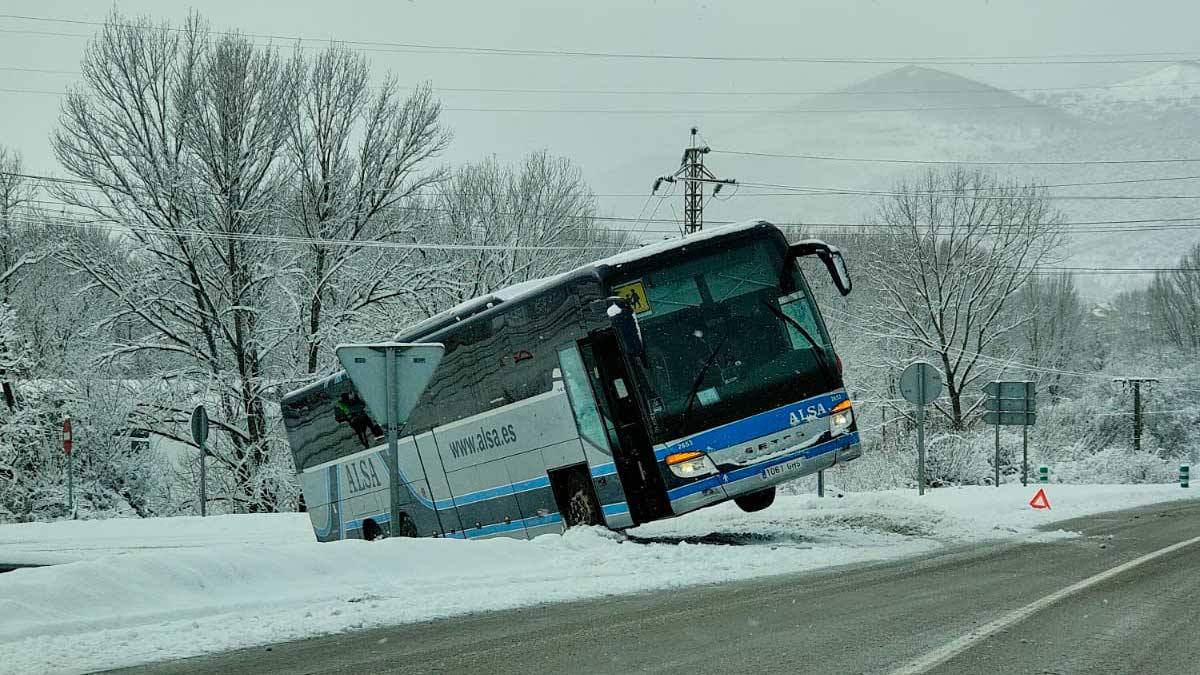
(642, 386)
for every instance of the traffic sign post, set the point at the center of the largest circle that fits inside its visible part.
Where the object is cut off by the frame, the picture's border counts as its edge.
(68, 446)
(920, 384)
(1011, 403)
(200, 436)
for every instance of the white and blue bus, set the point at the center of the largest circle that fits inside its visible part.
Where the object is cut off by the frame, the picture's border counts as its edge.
(642, 386)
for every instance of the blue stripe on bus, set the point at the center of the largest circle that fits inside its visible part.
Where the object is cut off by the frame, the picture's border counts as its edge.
(490, 493)
(496, 528)
(750, 428)
(615, 509)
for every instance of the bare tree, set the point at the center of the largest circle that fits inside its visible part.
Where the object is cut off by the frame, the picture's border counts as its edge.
(19, 251)
(544, 204)
(359, 157)
(1174, 298)
(1053, 333)
(961, 244)
(179, 137)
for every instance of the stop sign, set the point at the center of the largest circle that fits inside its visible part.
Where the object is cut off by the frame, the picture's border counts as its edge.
(67, 441)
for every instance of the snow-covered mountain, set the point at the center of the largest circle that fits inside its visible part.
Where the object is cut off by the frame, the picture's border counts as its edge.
(1172, 88)
(921, 113)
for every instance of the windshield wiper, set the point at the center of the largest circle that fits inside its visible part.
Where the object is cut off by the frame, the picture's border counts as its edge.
(691, 399)
(822, 361)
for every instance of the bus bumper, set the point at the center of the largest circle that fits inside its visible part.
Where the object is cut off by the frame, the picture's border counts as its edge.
(731, 482)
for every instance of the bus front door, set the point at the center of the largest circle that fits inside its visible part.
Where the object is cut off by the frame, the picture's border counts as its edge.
(633, 453)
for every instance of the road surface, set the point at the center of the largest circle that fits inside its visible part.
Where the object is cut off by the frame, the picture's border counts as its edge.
(984, 610)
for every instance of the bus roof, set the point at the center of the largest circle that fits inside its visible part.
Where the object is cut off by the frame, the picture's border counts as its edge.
(518, 291)
(524, 289)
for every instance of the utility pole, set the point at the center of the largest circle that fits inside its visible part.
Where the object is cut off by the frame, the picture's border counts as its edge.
(1136, 383)
(694, 175)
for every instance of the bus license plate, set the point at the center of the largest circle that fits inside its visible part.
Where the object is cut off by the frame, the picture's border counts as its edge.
(779, 469)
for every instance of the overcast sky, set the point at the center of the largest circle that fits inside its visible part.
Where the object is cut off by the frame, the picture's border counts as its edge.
(603, 144)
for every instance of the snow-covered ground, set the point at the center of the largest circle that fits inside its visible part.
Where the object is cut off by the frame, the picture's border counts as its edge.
(235, 581)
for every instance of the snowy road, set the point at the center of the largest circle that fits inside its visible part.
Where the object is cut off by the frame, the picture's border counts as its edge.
(899, 617)
(142, 591)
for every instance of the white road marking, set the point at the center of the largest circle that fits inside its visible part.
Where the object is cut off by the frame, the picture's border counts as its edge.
(962, 644)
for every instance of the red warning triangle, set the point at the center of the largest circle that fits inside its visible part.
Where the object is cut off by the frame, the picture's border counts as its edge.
(1040, 501)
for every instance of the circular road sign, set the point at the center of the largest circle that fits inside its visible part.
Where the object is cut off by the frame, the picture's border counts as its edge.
(199, 425)
(920, 383)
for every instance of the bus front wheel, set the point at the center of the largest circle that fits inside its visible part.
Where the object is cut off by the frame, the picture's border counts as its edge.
(755, 501)
(582, 508)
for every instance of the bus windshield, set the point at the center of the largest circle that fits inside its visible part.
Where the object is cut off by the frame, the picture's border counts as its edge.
(727, 335)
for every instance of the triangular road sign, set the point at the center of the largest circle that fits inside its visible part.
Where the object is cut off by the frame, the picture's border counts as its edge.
(1040, 501)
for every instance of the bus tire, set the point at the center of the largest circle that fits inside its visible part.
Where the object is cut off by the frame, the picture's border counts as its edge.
(371, 530)
(755, 501)
(406, 527)
(582, 507)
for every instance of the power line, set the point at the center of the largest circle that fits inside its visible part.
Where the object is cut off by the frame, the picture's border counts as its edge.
(195, 233)
(725, 92)
(695, 111)
(890, 160)
(1147, 225)
(803, 190)
(816, 192)
(379, 45)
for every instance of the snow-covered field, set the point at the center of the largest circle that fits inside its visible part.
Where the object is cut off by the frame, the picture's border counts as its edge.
(146, 590)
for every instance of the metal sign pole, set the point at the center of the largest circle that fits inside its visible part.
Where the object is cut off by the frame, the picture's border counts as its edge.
(71, 484)
(393, 445)
(203, 480)
(1024, 454)
(200, 438)
(920, 384)
(921, 450)
(820, 483)
(997, 467)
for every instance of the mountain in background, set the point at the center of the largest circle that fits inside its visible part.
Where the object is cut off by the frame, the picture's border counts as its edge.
(918, 113)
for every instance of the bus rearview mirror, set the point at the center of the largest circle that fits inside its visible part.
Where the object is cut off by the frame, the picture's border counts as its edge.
(831, 256)
(625, 324)
(837, 269)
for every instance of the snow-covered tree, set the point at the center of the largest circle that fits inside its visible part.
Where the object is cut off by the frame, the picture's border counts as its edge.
(528, 221)
(360, 157)
(1053, 332)
(959, 246)
(180, 137)
(1174, 298)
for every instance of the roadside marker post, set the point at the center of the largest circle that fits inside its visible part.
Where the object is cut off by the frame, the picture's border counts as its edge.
(68, 441)
(920, 384)
(1043, 474)
(1184, 471)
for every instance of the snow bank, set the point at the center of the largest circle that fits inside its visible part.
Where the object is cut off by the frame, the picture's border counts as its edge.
(146, 605)
(73, 540)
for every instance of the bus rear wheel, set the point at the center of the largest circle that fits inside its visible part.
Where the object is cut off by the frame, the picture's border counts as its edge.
(755, 501)
(582, 508)
(405, 527)
(371, 530)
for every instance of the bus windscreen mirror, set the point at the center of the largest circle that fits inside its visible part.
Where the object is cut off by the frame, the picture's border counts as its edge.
(834, 262)
(837, 269)
(625, 325)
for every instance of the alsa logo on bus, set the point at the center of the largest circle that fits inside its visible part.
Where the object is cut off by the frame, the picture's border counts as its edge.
(361, 475)
(802, 415)
(486, 439)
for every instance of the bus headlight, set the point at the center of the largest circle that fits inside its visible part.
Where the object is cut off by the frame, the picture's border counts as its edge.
(690, 464)
(841, 418)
